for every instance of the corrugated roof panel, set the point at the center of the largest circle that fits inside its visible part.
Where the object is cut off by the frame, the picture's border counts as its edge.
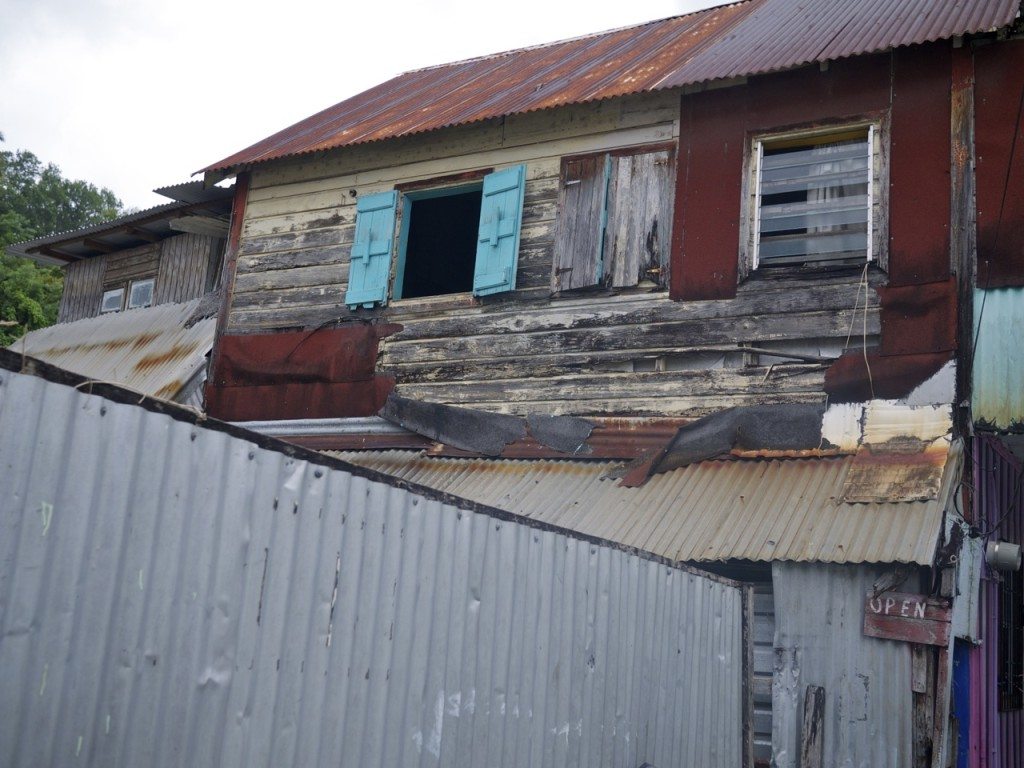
(715, 510)
(148, 350)
(745, 38)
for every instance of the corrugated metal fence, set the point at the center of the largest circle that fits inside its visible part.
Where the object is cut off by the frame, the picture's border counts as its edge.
(172, 594)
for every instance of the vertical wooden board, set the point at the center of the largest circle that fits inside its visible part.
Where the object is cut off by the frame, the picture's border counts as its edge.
(184, 263)
(812, 734)
(83, 289)
(578, 226)
(639, 218)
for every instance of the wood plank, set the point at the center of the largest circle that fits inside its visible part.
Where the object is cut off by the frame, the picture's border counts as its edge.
(328, 276)
(671, 384)
(640, 195)
(578, 230)
(812, 729)
(306, 257)
(680, 334)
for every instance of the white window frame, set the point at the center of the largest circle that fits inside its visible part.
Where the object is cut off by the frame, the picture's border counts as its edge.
(877, 224)
(109, 293)
(131, 291)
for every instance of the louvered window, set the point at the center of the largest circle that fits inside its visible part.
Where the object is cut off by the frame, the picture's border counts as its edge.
(814, 199)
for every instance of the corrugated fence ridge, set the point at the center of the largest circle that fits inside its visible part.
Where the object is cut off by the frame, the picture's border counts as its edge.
(175, 595)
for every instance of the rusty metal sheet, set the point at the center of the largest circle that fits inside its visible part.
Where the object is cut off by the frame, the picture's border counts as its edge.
(746, 38)
(148, 350)
(760, 510)
(898, 470)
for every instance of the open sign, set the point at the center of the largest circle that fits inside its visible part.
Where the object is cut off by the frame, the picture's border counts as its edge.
(911, 618)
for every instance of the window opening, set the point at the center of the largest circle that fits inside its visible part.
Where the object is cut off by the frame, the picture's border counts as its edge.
(439, 242)
(140, 293)
(814, 199)
(112, 301)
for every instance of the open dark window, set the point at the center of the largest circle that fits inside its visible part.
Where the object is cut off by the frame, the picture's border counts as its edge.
(453, 239)
(814, 199)
(438, 247)
(614, 219)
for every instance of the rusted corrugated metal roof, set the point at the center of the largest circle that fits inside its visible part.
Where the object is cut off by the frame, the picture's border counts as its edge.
(745, 38)
(148, 350)
(712, 511)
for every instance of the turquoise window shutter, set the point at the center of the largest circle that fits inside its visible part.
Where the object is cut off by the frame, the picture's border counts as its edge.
(497, 248)
(370, 263)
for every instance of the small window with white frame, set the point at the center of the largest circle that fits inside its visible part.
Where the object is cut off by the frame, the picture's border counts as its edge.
(140, 293)
(113, 300)
(815, 199)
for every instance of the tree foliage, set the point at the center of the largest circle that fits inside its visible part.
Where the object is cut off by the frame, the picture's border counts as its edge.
(36, 200)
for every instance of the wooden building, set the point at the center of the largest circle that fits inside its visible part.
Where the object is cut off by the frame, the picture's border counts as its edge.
(748, 234)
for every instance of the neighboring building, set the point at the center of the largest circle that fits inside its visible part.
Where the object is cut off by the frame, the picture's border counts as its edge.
(736, 248)
(138, 306)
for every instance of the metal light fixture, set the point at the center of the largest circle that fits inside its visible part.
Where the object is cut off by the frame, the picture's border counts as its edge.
(1003, 556)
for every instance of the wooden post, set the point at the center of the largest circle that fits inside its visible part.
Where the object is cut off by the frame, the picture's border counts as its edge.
(748, 676)
(812, 732)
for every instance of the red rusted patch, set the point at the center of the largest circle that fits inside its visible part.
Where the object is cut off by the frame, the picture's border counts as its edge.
(847, 380)
(918, 319)
(313, 374)
(919, 184)
(999, 146)
(317, 400)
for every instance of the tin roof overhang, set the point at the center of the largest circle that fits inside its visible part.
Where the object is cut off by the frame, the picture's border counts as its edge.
(717, 44)
(758, 510)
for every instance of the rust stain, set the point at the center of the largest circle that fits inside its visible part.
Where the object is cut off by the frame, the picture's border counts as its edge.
(175, 353)
(169, 390)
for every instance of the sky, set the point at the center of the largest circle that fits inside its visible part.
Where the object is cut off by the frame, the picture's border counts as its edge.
(138, 94)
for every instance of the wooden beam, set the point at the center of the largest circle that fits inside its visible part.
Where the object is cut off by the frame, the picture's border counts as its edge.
(99, 245)
(200, 225)
(812, 733)
(144, 234)
(54, 253)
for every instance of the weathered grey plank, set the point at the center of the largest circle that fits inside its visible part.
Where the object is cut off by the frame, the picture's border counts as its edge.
(83, 289)
(753, 381)
(324, 275)
(578, 230)
(628, 310)
(639, 231)
(307, 257)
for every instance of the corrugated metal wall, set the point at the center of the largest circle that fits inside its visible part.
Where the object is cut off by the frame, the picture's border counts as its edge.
(997, 736)
(819, 641)
(174, 595)
(998, 397)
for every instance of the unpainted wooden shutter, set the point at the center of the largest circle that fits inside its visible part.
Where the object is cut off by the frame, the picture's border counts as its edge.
(579, 237)
(501, 215)
(370, 264)
(639, 228)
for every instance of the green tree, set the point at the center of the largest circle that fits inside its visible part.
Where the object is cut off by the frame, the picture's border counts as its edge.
(36, 200)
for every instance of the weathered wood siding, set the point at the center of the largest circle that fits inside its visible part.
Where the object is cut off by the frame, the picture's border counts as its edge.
(188, 267)
(300, 215)
(627, 351)
(185, 267)
(83, 289)
(133, 264)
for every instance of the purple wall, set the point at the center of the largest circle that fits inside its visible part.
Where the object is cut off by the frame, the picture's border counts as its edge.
(997, 738)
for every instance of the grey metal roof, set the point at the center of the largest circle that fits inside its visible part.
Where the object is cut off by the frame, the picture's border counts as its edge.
(125, 231)
(147, 350)
(183, 593)
(716, 510)
(729, 41)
